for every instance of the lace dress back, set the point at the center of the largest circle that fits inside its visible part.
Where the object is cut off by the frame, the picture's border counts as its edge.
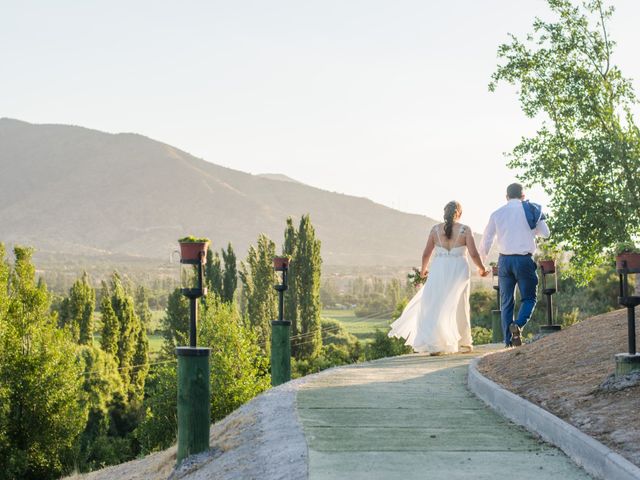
(437, 317)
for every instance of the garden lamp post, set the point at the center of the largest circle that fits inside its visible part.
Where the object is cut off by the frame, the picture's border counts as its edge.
(280, 329)
(497, 335)
(549, 287)
(628, 362)
(194, 413)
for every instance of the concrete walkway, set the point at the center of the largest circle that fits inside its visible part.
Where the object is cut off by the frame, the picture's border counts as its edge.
(412, 417)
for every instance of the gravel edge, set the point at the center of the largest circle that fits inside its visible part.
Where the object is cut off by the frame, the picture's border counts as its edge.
(273, 447)
(596, 458)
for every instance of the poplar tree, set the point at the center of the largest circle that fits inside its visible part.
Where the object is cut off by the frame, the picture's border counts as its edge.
(308, 264)
(142, 307)
(291, 295)
(102, 385)
(258, 279)
(110, 328)
(175, 323)
(76, 312)
(140, 367)
(230, 276)
(132, 339)
(213, 272)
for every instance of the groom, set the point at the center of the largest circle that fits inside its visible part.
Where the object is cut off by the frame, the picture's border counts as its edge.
(516, 226)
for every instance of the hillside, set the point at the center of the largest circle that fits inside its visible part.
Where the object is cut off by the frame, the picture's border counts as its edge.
(71, 190)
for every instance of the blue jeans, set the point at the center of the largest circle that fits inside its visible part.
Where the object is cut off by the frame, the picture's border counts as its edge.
(517, 270)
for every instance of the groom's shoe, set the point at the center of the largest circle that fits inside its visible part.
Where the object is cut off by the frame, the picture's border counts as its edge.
(516, 334)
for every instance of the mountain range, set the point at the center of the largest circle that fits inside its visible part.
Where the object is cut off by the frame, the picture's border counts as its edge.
(69, 190)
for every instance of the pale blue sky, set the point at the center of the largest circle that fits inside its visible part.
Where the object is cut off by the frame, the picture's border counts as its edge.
(382, 99)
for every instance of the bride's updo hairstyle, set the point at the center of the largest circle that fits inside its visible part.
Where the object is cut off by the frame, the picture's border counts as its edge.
(451, 210)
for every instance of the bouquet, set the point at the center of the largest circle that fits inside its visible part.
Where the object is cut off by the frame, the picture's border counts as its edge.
(415, 278)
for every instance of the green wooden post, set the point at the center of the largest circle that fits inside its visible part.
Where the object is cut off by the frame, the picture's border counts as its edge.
(496, 327)
(280, 352)
(194, 404)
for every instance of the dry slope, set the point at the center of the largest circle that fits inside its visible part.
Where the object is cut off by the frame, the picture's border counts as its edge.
(562, 373)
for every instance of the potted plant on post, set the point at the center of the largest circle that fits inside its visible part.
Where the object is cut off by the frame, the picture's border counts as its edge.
(547, 256)
(193, 248)
(547, 266)
(628, 257)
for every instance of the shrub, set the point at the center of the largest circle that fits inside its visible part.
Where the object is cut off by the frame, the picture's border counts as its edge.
(385, 346)
(480, 335)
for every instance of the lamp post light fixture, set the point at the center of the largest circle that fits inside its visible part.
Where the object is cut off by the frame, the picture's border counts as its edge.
(628, 362)
(194, 412)
(497, 336)
(281, 328)
(549, 288)
(192, 258)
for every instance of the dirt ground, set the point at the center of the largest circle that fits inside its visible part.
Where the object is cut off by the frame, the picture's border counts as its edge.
(563, 374)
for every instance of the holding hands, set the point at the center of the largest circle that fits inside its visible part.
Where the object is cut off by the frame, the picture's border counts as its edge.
(483, 271)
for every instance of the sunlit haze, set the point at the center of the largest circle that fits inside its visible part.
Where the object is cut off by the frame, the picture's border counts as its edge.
(382, 99)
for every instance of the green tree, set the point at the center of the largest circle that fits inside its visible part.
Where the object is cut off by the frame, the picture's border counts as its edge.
(159, 428)
(230, 276)
(175, 323)
(4, 340)
(76, 312)
(586, 154)
(101, 384)
(291, 295)
(213, 272)
(239, 369)
(140, 365)
(110, 327)
(142, 307)
(132, 340)
(258, 279)
(42, 413)
(308, 264)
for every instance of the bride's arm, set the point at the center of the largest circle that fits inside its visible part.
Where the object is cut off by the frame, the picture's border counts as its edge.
(473, 253)
(426, 255)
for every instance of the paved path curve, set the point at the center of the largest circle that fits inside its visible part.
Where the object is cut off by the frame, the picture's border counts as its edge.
(411, 417)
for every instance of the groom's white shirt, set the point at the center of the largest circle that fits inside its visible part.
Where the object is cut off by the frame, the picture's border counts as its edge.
(514, 236)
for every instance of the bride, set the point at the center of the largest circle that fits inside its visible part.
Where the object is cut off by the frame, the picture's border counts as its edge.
(436, 320)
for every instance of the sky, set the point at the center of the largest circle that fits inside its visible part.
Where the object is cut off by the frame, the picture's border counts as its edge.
(381, 99)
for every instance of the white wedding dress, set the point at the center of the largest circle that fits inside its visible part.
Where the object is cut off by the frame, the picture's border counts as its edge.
(437, 317)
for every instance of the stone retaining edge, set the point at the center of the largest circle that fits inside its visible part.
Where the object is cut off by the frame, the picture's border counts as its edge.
(596, 458)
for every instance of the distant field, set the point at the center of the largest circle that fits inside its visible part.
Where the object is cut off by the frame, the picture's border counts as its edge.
(155, 340)
(156, 319)
(155, 344)
(362, 328)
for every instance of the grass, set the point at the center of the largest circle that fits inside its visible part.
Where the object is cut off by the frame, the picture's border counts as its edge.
(155, 344)
(362, 327)
(155, 340)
